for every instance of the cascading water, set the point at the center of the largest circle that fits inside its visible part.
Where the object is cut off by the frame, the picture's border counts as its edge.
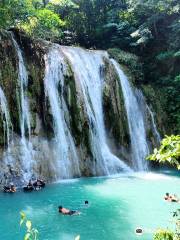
(8, 130)
(67, 164)
(135, 122)
(5, 117)
(155, 131)
(87, 68)
(24, 116)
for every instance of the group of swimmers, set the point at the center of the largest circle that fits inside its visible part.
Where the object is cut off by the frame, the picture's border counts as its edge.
(66, 211)
(171, 198)
(36, 185)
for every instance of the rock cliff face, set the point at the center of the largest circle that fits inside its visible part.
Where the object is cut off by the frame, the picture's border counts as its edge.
(115, 113)
(81, 116)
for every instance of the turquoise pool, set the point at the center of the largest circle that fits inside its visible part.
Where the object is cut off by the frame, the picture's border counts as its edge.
(118, 205)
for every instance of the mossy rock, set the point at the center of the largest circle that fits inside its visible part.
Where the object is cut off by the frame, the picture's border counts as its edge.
(131, 61)
(114, 109)
(9, 76)
(156, 99)
(78, 119)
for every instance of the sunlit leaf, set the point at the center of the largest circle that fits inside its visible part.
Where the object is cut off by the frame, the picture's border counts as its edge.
(27, 236)
(23, 216)
(77, 237)
(28, 225)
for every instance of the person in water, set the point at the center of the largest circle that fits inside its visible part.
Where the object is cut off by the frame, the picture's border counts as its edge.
(86, 203)
(66, 211)
(38, 184)
(171, 198)
(175, 198)
(139, 231)
(167, 197)
(12, 188)
(30, 185)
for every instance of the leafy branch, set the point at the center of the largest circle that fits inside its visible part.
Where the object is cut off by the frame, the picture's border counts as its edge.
(169, 151)
(31, 233)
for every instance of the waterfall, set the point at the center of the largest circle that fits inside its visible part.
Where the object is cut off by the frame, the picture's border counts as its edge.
(67, 164)
(24, 116)
(5, 117)
(136, 123)
(87, 67)
(155, 131)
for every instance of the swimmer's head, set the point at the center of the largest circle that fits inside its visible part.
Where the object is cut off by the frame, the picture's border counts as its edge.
(139, 231)
(86, 202)
(60, 207)
(167, 194)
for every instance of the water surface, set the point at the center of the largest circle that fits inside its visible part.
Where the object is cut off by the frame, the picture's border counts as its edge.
(118, 205)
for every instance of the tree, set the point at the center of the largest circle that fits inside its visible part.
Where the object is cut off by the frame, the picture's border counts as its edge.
(43, 23)
(169, 151)
(32, 17)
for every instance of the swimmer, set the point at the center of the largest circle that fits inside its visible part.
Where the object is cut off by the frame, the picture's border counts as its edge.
(12, 188)
(167, 197)
(175, 198)
(139, 231)
(86, 203)
(171, 198)
(66, 211)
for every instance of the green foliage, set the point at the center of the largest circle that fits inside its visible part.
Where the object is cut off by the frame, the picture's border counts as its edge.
(169, 151)
(130, 60)
(77, 237)
(166, 234)
(163, 234)
(31, 233)
(165, 55)
(43, 23)
(32, 17)
(176, 216)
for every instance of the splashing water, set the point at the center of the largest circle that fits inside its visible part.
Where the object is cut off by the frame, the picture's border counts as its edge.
(135, 122)
(67, 164)
(87, 68)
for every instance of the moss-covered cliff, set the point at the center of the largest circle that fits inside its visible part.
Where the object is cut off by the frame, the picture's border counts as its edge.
(8, 78)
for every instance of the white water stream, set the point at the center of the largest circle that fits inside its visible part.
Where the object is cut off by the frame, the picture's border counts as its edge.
(66, 159)
(7, 126)
(155, 131)
(136, 124)
(24, 116)
(88, 71)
